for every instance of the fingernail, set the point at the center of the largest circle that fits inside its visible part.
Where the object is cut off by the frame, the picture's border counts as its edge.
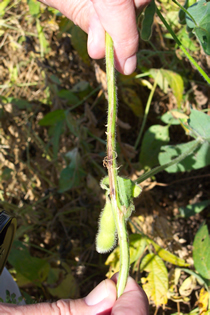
(130, 65)
(97, 295)
(90, 37)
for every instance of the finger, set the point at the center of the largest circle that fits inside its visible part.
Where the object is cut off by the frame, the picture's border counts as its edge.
(83, 14)
(133, 301)
(118, 18)
(98, 301)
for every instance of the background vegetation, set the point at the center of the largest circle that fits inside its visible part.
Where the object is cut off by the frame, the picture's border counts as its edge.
(53, 111)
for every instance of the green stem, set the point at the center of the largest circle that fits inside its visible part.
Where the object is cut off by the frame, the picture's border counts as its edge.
(181, 157)
(146, 113)
(185, 11)
(192, 60)
(111, 164)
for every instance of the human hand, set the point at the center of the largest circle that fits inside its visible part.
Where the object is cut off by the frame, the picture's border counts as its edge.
(116, 17)
(102, 300)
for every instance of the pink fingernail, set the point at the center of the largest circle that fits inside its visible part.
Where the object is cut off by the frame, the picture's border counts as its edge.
(130, 65)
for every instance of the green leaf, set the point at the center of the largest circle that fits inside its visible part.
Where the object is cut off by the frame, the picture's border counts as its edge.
(69, 96)
(146, 30)
(133, 101)
(52, 118)
(71, 176)
(167, 256)
(200, 123)
(156, 283)
(32, 268)
(79, 41)
(200, 11)
(62, 283)
(201, 252)
(34, 7)
(57, 130)
(190, 210)
(167, 77)
(44, 45)
(171, 117)
(3, 6)
(198, 159)
(154, 138)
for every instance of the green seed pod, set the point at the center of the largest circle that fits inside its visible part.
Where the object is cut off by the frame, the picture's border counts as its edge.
(146, 30)
(106, 237)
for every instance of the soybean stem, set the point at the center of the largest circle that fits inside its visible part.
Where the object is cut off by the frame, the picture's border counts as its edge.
(111, 164)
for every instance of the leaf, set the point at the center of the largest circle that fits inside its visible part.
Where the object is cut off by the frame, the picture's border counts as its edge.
(137, 245)
(71, 176)
(154, 138)
(190, 210)
(34, 7)
(147, 23)
(198, 159)
(187, 286)
(133, 101)
(168, 118)
(168, 77)
(79, 41)
(167, 256)
(69, 96)
(32, 268)
(201, 252)
(200, 123)
(203, 300)
(200, 11)
(62, 284)
(52, 118)
(3, 6)
(44, 45)
(156, 283)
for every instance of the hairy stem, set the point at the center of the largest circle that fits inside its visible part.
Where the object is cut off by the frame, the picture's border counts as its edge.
(111, 164)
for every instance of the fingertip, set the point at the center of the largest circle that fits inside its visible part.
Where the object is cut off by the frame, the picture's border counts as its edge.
(96, 40)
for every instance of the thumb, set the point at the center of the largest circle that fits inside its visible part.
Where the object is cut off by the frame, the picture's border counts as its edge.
(118, 17)
(98, 301)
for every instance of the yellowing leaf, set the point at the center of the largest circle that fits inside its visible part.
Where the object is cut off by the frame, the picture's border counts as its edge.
(167, 256)
(133, 101)
(136, 247)
(203, 300)
(188, 285)
(168, 77)
(156, 283)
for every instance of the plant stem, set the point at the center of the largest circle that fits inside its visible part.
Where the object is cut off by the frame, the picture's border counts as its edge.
(192, 60)
(111, 164)
(146, 113)
(160, 168)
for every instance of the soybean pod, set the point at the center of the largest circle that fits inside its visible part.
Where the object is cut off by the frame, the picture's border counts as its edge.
(106, 237)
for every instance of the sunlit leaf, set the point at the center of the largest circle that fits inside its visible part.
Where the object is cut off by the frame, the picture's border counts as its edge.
(200, 11)
(187, 286)
(167, 77)
(198, 159)
(156, 283)
(34, 7)
(194, 208)
(203, 301)
(3, 6)
(166, 255)
(201, 252)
